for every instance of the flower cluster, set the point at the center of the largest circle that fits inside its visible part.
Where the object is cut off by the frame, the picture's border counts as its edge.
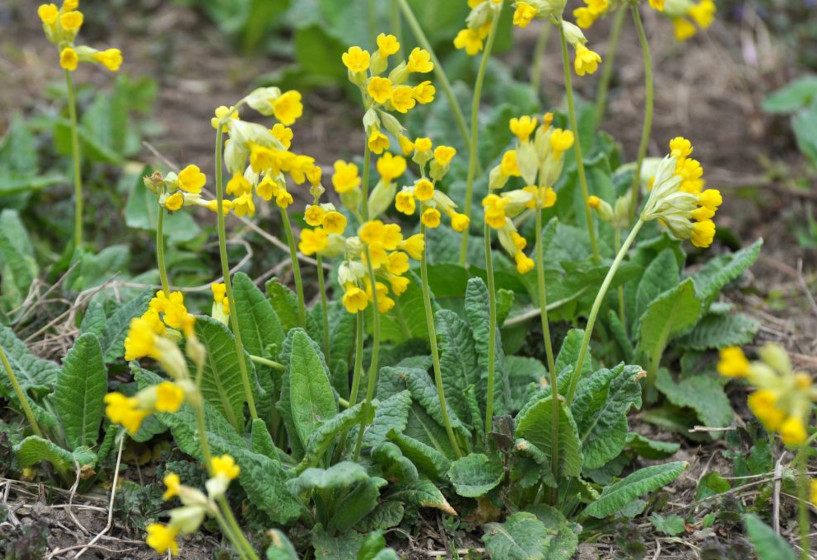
(782, 399)
(61, 26)
(155, 335)
(592, 10)
(684, 12)
(176, 190)
(433, 202)
(678, 198)
(477, 25)
(586, 60)
(382, 94)
(538, 159)
(221, 303)
(195, 505)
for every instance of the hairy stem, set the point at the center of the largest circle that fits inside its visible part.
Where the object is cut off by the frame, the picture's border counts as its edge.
(267, 362)
(621, 308)
(78, 202)
(160, 251)
(489, 271)
(397, 27)
(473, 145)
(364, 183)
(372, 382)
(609, 58)
(21, 396)
(225, 270)
(296, 268)
(536, 71)
(324, 307)
(648, 109)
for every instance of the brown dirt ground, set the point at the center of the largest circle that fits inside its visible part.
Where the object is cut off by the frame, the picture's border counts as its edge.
(708, 90)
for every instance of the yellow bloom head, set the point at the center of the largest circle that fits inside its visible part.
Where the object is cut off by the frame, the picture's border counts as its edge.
(587, 61)
(523, 127)
(173, 484)
(414, 246)
(390, 167)
(524, 14)
(174, 202)
(380, 89)
(191, 179)
(356, 59)
(405, 203)
(71, 21)
(378, 142)
(387, 44)
(424, 190)
(314, 215)
(109, 58)
(225, 466)
(334, 222)
(48, 13)
(162, 538)
(733, 362)
(355, 299)
(346, 177)
(431, 218)
(69, 59)
(169, 397)
(288, 107)
(424, 93)
(420, 61)
(444, 154)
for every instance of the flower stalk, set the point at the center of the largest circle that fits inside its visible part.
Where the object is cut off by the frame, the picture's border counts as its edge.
(372, 382)
(489, 272)
(296, 268)
(607, 71)
(78, 201)
(160, 251)
(648, 109)
(21, 396)
(324, 307)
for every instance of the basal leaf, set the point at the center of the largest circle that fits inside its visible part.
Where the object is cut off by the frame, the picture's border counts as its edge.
(565, 534)
(475, 475)
(34, 449)
(702, 393)
(521, 537)
(617, 495)
(534, 425)
(768, 544)
(35, 375)
(407, 319)
(17, 261)
(284, 302)
(569, 353)
(311, 396)
(650, 449)
(721, 270)
(113, 335)
(477, 313)
(280, 547)
(257, 321)
(427, 459)
(668, 314)
(716, 331)
(326, 432)
(391, 414)
(422, 493)
(81, 386)
(458, 359)
(661, 274)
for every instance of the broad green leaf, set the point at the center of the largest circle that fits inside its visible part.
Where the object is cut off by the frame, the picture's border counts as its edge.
(424, 392)
(261, 440)
(257, 321)
(94, 269)
(113, 335)
(280, 547)
(661, 275)
(600, 409)
(569, 353)
(284, 302)
(804, 124)
(395, 466)
(326, 432)
(422, 494)
(221, 383)
(475, 475)
(477, 313)
(386, 515)
(711, 484)
(617, 495)
(81, 386)
(702, 393)
(670, 313)
(17, 261)
(458, 359)
(670, 525)
(525, 376)
(565, 534)
(406, 320)
(94, 319)
(716, 331)
(621, 336)
(34, 449)
(795, 95)
(521, 537)
(311, 395)
(427, 459)
(650, 449)
(721, 270)
(340, 547)
(391, 414)
(535, 424)
(768, 544)
(35, 375)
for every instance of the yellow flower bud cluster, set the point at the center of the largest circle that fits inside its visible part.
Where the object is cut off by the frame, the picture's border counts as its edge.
(155, 335)
(678, 199)
(782, 399)
(686, 14)
(617, 215)
(61, 26)
(477, 25)
(176, 190)
(195, 505)
(384, 93)
(538, 159)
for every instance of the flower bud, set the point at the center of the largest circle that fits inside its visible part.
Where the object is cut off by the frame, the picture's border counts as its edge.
(381, 198)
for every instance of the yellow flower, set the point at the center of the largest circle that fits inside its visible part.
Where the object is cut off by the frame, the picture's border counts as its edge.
(420, 61)
(140, 341)
(380, 89)
(313, 241)
(191, 179)
(508, 165)
(680, 147)
(124, 411)
(444, 154)
(173, 484)
(460, 222)
(238, 185)
(431, 218)
(683, 29)
(524, 14)
(391, 237)
(387, 44)
(470, 40)
(356, 59)
(283, 134)
(494, 210)
(524, 263)
(424, 190)
(372, 232)
(404, 202)
(355, 299)
(406, 145)
(561, 141)
(69, 59)
(414, 246)
(390, 167)
(703, 13)
(219, 290)
(314, 215)
(345, 177)
(793, 431)
(378, 142)
(733, 362)
(174, 202)
(169, 397)
(109, 58)
(399, 284)
(244, 205)
(523, 127)
(422, 144)
(402, 99)
(225, 466)
(221, 112)
(586, 61)
(424, 92)
(703, 233)
(763, 404)
(657, 5)
(283, 199)
(585, 17)
(593, 202)
(71, 21)
(288, 107)
(162, 538)
(397, 263)
(334, 222)
(48, 13)
(70, 5)
(267, 188)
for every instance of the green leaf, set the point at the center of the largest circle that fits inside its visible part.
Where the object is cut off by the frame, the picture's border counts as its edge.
(311, 395)
(670, 525)
(257, 321)
(525, 376)
(721, 270)
(521, 537)
(391, 414)
(477, 313)
(325, 433)
(427, 459)
(569, 353)
(34, 449)
(671, 312)
(475, 475)
(35, 375)
(261, 440)
(712, 483)
(661, 275)
(407, 319)
(702, 393)
(341, 547)
(600, 409)
(650, 449)
(142, 212)
(81, 386)
(565, 534)
(280, 548)
(617, 495)
(221, 383)
(94, 319)
(458, 359)
(422, 493)
(17, 261)
(716, 331)
(424, 392)
(94, 269)
(768, 544)
(534, 425)
(284, 302)
(803, 124)
(795, 95)
(113, 335)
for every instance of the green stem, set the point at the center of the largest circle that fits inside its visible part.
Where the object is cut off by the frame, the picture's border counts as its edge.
(621, 312)
(21, 396)
(240, 542)
(803, 502)
(540, 274)
(577, 145)
(78, 202)
(536, 71)
(227, 530)
(594, 311)
(324, 308)
(438, 70)
(367, 167)
(489, 272)
(358, 371)
(372, 382)
(371, 12)
(266, 362)
(225, 271)
(648, 109)
(435, 353)
(160, 251)
(397, 27)
(296, 268)
(473, 145)
(607, 70)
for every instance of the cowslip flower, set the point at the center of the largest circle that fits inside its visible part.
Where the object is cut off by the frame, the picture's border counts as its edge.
(130, 412)
(61, 26)
(686, 15)
(477, 25)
